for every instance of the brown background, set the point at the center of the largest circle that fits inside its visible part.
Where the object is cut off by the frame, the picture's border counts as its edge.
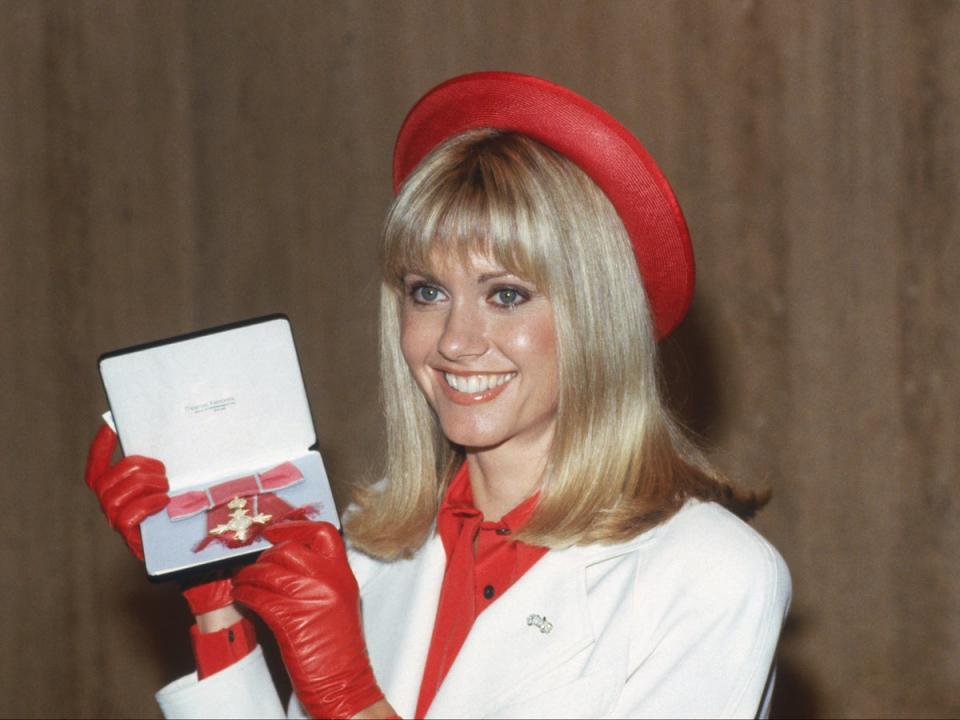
(168, 166)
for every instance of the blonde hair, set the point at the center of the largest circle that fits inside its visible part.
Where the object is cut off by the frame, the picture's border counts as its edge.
(618, 464)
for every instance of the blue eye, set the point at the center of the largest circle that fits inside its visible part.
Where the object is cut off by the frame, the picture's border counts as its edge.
(425, 294)
(509, 296)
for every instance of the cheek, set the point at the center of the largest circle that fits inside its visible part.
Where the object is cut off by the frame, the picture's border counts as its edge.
(536, 339)
(533, 346)
(412, 346)
(416, 338)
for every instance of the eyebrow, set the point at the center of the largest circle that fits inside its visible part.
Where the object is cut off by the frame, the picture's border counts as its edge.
(420, 273)
(492, 276)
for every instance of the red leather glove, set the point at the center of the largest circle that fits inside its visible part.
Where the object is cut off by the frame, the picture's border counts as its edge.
(129, 491)
(209, 596)
(304, 590)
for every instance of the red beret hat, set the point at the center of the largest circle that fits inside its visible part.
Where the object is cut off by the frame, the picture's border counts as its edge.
(587, 135)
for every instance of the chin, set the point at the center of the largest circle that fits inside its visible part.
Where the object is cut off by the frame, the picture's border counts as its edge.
(472, 437)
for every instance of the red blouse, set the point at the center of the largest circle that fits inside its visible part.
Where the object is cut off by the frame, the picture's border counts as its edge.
(482, 563)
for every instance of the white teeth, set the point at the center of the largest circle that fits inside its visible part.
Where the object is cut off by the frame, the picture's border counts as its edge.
(474, 384)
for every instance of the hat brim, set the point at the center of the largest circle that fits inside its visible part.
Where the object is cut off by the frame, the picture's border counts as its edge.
(591, 138)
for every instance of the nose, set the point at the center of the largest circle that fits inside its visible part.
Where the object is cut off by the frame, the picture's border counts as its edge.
(464, 334)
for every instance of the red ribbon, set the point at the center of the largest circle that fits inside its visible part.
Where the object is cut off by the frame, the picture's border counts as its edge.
(257, 500)
(197, 501)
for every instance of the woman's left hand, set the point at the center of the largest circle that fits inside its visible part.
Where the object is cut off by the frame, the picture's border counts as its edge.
(304, 590)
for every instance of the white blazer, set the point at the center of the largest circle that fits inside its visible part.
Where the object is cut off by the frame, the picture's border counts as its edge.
(681, 621)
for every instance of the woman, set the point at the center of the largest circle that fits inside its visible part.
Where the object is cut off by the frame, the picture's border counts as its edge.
(547, 543)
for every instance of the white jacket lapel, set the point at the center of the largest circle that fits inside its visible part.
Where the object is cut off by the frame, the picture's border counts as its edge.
(404, 595)
(503, 645)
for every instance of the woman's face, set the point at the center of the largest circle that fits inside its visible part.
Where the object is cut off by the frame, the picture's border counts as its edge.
(481, 344)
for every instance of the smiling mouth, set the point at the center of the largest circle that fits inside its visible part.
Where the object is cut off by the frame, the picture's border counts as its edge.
(477, 384)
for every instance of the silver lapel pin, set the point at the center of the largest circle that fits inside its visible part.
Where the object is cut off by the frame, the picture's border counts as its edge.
(540, 622)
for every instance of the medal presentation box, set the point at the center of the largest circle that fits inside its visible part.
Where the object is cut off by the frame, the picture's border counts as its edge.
(226, 411)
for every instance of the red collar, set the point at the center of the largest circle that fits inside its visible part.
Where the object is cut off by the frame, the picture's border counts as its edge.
(458, 506)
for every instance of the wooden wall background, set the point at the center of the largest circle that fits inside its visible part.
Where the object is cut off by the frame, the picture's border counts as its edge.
(167, 166)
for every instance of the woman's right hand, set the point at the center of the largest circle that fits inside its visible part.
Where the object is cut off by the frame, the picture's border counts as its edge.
(129, 491)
